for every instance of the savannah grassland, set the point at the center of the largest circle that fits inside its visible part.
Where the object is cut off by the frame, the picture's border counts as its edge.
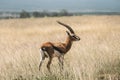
(95, 57)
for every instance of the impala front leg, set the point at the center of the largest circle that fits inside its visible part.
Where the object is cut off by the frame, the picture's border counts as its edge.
(61, 62)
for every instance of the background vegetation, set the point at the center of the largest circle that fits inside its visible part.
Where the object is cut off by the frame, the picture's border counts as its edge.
(46, 13)
(95, 57)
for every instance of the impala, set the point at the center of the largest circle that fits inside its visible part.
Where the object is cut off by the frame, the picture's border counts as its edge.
(50, 50)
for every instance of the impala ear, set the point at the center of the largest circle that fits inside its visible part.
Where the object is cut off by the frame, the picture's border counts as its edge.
(68, 33)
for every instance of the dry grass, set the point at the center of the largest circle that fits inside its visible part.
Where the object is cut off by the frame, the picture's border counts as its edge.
(95, 57)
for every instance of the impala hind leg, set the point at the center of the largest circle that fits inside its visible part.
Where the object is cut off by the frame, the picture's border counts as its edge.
(41, 61)
(48, 64)
(42, 55)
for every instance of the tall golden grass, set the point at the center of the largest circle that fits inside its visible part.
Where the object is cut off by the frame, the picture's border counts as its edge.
(95, 57)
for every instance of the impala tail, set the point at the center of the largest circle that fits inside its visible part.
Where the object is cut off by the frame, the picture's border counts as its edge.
(44, 53)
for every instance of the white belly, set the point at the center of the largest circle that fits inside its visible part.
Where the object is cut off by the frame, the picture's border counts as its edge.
(56, 53)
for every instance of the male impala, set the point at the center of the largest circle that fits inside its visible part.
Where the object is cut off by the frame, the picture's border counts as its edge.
(51, 50)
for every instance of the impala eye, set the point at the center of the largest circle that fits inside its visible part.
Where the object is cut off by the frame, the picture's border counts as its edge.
(74, 36)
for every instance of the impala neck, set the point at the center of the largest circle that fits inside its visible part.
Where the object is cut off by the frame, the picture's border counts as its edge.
(68, 44)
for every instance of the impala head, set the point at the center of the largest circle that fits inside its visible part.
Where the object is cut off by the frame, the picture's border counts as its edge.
(72, 34)
(73, 37)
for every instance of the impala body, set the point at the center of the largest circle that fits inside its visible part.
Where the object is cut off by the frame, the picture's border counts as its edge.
(51, 50)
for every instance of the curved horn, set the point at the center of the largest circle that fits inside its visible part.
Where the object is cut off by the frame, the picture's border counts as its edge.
(68, 27)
